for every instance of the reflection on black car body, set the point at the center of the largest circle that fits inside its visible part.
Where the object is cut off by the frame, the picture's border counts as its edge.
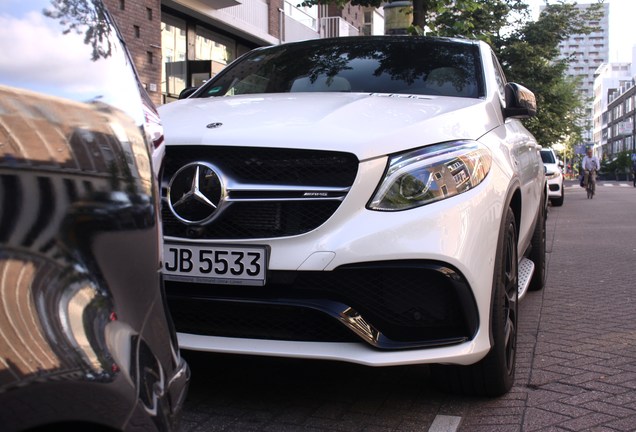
(84, 336)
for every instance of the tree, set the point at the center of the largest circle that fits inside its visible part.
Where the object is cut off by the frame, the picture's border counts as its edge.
(530, 55)
(84, 16)
(618, 167)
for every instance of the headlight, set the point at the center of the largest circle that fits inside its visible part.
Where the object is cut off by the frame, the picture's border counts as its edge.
(549, 174)
(430, 174)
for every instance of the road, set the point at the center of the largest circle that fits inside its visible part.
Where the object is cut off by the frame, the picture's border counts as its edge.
(576, 365)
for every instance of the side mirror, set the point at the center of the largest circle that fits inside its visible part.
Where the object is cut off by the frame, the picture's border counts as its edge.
(520, 102)
(186, 92)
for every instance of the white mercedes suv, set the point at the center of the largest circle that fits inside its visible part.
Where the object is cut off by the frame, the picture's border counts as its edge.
(372, 200)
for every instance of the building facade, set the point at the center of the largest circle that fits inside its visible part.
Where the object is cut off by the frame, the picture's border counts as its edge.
(615, 109)
(587, 53)
(178, 44)
(608, 78)
(621, 119)
(140, 24)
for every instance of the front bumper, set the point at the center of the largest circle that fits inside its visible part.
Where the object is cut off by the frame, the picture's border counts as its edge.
(458, 235)
(387, 305)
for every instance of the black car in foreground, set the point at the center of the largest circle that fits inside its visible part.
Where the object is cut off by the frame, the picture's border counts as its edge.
(85, 339)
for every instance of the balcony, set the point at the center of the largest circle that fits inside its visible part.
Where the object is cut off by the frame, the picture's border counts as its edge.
(301, 24)
(336, 27)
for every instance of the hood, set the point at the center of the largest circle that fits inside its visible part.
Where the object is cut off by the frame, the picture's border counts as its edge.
(368, 125)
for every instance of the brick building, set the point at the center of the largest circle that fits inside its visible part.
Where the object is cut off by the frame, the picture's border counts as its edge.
(140, 24)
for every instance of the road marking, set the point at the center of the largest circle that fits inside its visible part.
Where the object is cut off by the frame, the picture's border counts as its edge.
(443, 423)
(576, 186)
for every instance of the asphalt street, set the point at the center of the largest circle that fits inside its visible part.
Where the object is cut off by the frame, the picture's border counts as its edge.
(576, 365)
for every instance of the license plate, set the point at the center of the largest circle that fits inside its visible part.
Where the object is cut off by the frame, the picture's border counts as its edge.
(230, 265)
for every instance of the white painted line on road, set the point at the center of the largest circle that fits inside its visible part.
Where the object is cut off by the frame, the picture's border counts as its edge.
(443, 423)
(576, 186)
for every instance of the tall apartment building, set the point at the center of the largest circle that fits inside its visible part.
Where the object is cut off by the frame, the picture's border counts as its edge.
(620, 120)
(587, 53)
(181, 43)
(608, 77)
(615, 109)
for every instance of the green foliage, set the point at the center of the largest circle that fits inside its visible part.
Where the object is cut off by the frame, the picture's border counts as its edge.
(620, 165)
(84, 16)
(530, 56)
(476, 19)
(472, 18)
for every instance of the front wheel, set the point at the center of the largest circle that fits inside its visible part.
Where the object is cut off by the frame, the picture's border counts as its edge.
(558, 202)
(494, 374)
(537, 253)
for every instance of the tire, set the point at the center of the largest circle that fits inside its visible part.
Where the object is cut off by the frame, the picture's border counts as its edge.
(494, 374)
(537, 253)
(558, 202)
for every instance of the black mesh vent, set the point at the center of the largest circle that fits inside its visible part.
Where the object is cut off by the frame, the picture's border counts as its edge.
(406, 304)
(257, 321)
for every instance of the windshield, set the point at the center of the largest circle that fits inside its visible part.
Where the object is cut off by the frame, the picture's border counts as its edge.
(364, 65)
(547, 156)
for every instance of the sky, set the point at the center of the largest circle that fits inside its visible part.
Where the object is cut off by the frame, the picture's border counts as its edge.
(71, 76)
(621, 22)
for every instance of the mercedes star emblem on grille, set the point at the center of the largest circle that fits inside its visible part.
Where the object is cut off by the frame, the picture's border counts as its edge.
(195, 193)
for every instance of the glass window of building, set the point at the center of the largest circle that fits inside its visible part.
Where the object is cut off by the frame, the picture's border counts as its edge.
(214, 47)
(173, 50)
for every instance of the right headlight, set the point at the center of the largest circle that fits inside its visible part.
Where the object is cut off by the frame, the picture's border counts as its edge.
(430, 174)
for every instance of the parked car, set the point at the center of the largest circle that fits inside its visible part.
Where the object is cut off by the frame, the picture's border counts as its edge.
(554, 175)
(86, 342)
(372, 200)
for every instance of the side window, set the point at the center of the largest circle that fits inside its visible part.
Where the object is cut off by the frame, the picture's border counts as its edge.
(500, 77)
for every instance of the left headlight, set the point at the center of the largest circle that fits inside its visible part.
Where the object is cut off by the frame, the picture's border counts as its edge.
(549, 174)
(430, 174)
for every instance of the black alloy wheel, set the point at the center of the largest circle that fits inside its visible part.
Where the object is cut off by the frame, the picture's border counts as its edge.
(494, 374)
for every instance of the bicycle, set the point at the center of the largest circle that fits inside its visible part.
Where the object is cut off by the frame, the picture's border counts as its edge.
(590, 183)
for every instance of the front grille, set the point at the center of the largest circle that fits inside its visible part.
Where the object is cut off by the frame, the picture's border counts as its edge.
(277, 208)
(255, 220)
(411, 304)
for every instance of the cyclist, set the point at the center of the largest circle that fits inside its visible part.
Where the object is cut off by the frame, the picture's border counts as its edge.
(590, 166)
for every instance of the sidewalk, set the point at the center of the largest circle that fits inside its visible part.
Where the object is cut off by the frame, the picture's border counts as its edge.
(576, 364)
